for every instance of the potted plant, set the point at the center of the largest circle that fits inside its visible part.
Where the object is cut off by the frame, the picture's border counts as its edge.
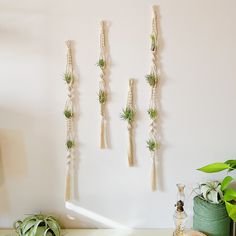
(215, 204)
(38, 225)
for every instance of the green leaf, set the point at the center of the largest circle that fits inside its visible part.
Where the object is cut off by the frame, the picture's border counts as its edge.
(102, 96)
(231, 209)
(101, 63)
(230, 194)
(225, 183)
(215, 167)
(54, 227)
(28, 226)
(36, 226)
(68, 114)
(151, 79)
(152, 113)
(152, 145)
(68, 77)
(128, 114)
(232, 164)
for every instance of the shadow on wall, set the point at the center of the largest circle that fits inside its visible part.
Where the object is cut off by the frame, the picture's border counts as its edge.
(13, 163)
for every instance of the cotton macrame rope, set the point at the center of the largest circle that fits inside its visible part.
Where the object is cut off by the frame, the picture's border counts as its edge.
(153, 135)
(69, 114)
(102, 88)
(130, 104)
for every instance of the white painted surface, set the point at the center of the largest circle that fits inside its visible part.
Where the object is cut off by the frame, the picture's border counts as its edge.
(198, 101)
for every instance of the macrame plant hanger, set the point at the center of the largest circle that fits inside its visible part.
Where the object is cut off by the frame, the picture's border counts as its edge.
(152, 80)
(102, 94)
(69, 115)
(128, 114)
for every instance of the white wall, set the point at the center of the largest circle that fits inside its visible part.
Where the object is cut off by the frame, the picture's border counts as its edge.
(198, 100)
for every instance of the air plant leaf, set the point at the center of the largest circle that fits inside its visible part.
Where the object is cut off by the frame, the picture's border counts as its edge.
(102, 96)
(54, 227)
(68, 114)
(211, 191)
(152, 113)
(153, 42)
(70, 144)
(101, 63)
(68, 77)
(225, 183)
(215, 167)
(128, 114)
(152, 145)
(151, 79)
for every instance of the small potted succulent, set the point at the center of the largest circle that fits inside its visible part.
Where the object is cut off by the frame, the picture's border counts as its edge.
(38, 225)
(214, 206)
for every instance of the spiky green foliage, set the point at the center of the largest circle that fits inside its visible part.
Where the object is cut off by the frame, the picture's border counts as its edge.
(151, 79)
(102, 96)
(152, 145)
(128, 114)
(68, 114)
(153, 42)
(101, 63)
(70, 144)
(152, 113)
(38, 225)
(68, 77)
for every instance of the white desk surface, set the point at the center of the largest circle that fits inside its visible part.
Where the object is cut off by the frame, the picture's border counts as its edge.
(103, 232)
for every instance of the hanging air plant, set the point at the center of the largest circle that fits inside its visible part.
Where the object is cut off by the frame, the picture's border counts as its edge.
(152, 80)
(128, 114)
(69, 115)
(38, 225)
(102, 95)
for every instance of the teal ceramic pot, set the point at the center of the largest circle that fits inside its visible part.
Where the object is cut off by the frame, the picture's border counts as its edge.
(210, 219)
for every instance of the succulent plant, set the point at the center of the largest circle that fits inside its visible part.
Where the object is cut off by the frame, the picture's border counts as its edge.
(38, 225)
